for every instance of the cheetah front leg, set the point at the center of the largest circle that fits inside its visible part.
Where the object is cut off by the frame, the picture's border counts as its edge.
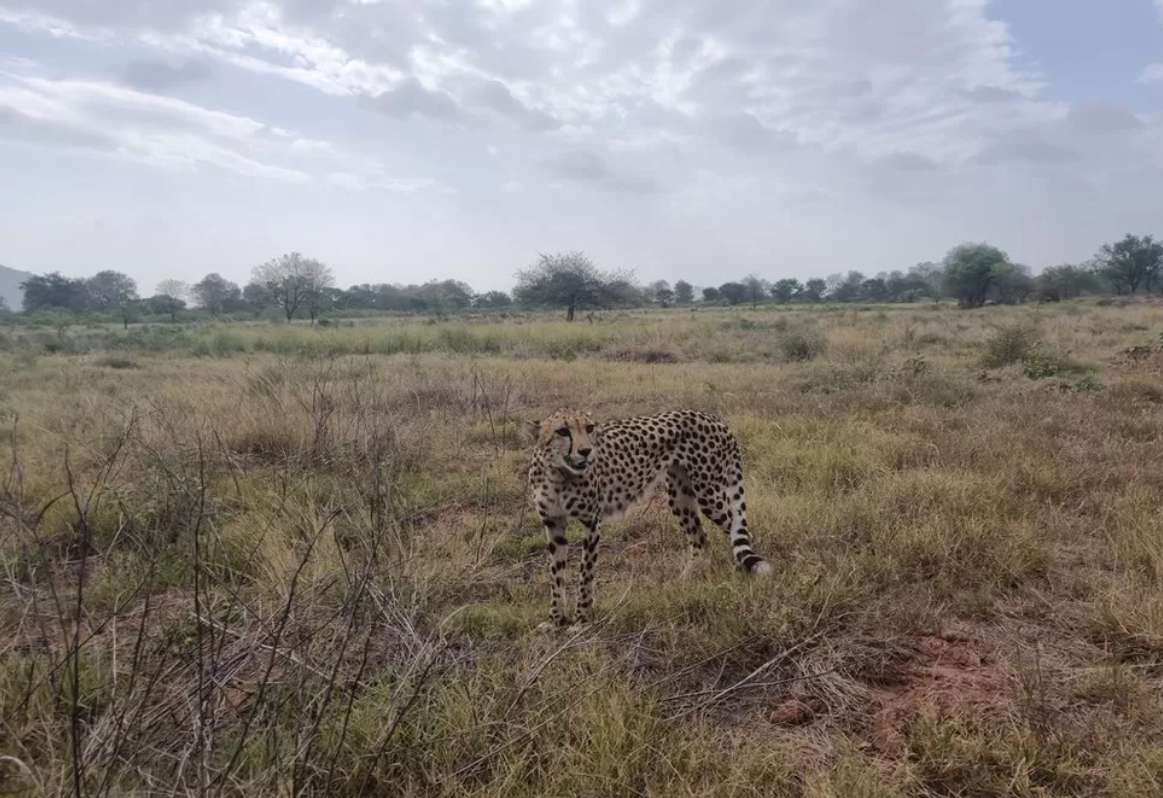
(557, 546)
(585, 602)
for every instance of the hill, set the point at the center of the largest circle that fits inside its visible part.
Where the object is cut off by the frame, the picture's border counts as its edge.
(10, 280)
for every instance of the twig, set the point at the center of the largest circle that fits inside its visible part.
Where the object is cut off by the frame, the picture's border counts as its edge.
(719, 695)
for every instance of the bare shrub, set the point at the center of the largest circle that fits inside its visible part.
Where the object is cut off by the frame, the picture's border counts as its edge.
(1010, 344)
(802, 344)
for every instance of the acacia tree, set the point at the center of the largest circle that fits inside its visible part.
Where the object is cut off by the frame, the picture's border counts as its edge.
(492, 299)
(786, 290)
(1131, 263)
(170, 297)
(757, 289)
(1066, 281)
(110, 291)
(295, 282)
(734, 293)
(54, 291)
(684, 293)
(814, 289)
(971, 270)
(661, 292)
(569, 280)
(1014, 284)
(215, 293)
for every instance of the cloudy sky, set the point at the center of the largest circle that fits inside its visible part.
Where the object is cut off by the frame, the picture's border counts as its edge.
(400, 141)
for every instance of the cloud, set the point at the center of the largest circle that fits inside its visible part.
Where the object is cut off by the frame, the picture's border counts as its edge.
(120, 122)
(904, 75)
(1094, 117)
(909, 162)
(411, 98)
(1025, 146)
(496, 96)
(1152, 73)
(589, 168)
(159, 76)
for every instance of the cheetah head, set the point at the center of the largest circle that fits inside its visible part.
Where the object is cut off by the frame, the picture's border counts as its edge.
(565, 439)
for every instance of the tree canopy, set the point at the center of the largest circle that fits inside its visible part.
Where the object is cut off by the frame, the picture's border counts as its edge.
(971, 270)
(293, 282)
(569, 280)
(1131, 263)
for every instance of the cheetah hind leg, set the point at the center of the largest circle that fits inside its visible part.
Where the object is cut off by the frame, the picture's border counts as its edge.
(686, 509)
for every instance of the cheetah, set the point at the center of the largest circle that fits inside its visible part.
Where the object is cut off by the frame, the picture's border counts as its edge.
(595, 472)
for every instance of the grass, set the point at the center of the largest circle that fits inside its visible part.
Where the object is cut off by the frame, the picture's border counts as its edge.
(274, 560)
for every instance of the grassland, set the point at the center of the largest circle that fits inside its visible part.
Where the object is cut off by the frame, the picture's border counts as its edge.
(271, 560)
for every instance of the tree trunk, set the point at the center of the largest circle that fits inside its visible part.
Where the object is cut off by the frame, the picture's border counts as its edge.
(569, 312)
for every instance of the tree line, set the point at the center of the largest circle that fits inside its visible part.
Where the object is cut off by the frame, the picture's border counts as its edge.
(296, 286)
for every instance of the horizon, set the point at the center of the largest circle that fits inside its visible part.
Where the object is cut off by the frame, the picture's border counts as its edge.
(400, 144)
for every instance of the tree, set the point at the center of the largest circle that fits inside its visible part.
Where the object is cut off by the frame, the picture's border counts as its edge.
(684, 293)
(711, 294)
(4, 309)
(1131, 263)
(492, 300)
(623, 292)
(443, 296)
(569, 280)
(1066, 282)
(257, 296)
(109, 291)
(845, 289)
(971, 271)
(216, 294)
(874, 289)
(907, 287)
(172, 288)
(757, 289)
(170, 297)
(163, 305)
(786, 290)
(734, 293)
(54, 292)
(295, 282)
(932, 275)
(1013, 284)
(661, 293)
(814, 290)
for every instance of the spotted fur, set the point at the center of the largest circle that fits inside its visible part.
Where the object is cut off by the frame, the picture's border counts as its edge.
(593, 472)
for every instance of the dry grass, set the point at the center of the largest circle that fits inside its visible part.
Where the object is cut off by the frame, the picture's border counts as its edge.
(302, 565)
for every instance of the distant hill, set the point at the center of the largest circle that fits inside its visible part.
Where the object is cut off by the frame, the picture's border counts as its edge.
(10, 280)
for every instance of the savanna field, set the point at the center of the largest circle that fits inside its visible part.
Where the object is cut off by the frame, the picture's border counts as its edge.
(259, 559)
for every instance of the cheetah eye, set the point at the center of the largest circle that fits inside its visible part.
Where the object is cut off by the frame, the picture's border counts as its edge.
(563, 430)
(589, 428)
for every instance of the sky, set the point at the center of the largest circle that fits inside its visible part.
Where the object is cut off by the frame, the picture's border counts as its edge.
(680, 139)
